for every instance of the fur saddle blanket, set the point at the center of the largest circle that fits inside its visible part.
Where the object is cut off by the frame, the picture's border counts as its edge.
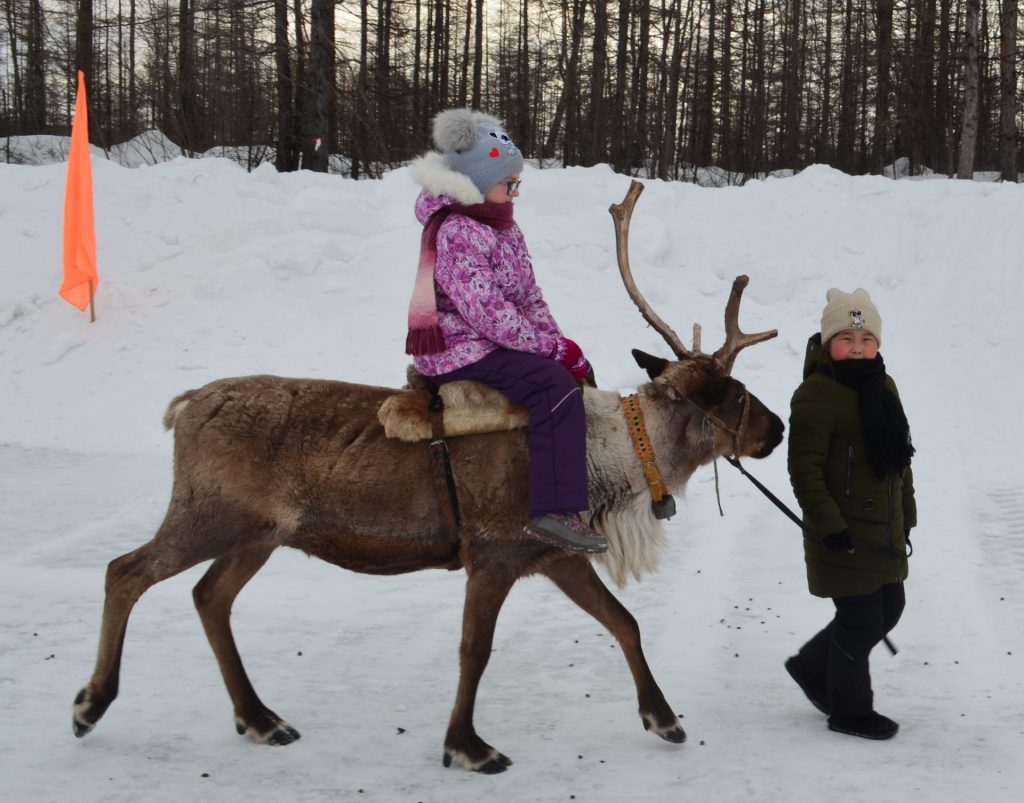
(470, 408)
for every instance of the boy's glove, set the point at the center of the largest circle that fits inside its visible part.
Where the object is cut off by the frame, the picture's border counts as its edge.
(571, 356)
(838, 542)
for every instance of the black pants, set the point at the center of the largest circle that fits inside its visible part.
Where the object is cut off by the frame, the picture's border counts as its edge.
(838, 655)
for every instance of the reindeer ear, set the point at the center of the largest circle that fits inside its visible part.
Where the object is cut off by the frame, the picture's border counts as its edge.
(651, 364)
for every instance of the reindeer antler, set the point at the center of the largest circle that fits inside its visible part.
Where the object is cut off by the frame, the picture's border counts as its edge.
(621, 214)
(735, 340)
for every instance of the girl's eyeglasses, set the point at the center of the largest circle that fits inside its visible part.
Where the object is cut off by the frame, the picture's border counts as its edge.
(512, 186)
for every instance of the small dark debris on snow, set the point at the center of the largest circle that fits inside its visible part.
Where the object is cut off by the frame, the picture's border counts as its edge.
(51, 655)
(205, 775)
(587, 694)
(701, 742)
(736, 655)
(580, 756)
(401, 731)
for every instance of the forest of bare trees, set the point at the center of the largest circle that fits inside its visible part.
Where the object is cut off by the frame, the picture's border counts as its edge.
(655, 87)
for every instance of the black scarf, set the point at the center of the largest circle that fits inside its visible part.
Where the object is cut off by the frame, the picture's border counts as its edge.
(886, 430)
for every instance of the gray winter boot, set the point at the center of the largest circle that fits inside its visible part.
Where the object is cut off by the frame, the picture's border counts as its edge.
(567, 531)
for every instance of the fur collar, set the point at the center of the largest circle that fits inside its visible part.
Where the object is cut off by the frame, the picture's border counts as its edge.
(431, 173)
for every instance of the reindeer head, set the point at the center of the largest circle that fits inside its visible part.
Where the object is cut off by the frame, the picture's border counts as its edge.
(745, 426)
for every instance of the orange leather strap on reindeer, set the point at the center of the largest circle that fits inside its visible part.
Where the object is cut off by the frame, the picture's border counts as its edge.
(642, 445)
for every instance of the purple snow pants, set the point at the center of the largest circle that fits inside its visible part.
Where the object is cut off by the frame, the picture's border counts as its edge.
(557, 437)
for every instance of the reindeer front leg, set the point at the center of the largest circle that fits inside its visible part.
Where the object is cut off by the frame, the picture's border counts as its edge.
(577, 578)
(486, 591)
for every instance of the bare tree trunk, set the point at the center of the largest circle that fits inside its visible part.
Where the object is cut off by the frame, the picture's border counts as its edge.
(84, 60)
(358, 144)
(668, 141)
(883, 12)
(1008, 82)
(568, 100)
(478, 55)
(286, 151)
(787, 149)
(943, 102)
(597, 123)
(186, 76)
(969, 129)
(19, 95)
(639, 139)
(35, 79)
(845, 143)
(618, 111)
(726, 146)
(322, 82)
(303, 142)
(133, 97)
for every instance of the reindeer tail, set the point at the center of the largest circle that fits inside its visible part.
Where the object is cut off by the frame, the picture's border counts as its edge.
(174, 409)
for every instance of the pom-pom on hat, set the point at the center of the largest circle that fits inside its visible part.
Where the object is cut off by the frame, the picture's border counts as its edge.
(849, 311)
(474, 144)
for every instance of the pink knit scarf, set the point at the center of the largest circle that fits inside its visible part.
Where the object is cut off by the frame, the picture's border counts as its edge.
(425, 335)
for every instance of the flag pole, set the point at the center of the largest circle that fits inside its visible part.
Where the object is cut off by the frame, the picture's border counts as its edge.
(92, 304)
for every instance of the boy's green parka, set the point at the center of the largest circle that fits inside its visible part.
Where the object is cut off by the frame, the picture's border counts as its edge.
(837, 490)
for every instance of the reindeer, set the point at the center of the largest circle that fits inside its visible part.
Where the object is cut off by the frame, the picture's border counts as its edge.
(262, 462)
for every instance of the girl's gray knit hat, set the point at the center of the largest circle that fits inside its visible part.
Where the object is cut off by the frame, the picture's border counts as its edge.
(474, 143)
(849, 311)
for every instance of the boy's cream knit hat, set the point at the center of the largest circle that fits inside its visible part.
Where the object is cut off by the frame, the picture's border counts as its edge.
(849, 311)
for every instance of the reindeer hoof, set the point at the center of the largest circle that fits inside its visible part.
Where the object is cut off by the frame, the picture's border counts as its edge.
(280, 733)
(495, 765)
(671, 733)
(80, 724)
(284, 735)
(80, 728)
(496, 762)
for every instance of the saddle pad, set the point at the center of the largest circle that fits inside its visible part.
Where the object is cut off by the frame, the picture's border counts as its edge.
(470, 408)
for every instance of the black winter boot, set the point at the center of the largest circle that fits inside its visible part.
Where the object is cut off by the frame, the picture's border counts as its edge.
(869, 726)
(813, 687)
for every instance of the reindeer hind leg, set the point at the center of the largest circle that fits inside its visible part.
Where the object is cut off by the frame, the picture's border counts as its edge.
(485, 593)
(577, 578)
(128, 578)
(214, 596)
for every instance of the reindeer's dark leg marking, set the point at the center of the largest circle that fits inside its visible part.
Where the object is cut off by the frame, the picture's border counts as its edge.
(486, 590)
(128, 577)
(214, 595)
(577, 578)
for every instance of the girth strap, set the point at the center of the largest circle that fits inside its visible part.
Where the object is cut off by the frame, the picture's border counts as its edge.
(444, 482)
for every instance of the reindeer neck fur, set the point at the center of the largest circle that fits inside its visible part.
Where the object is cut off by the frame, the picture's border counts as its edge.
(620, 503)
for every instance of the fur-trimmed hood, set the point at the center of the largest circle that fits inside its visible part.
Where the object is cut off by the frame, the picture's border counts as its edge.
(431, 173)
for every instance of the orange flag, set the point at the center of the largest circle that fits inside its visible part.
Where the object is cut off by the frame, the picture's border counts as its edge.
(80, 276)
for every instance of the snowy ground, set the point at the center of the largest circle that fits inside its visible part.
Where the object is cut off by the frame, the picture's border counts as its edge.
(208, 271)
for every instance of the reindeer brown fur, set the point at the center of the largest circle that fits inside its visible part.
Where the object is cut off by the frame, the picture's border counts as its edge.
(262, 462)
